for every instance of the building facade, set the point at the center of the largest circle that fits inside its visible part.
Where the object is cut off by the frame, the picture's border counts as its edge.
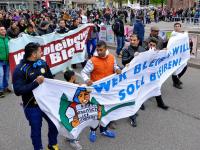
(180, 3)
(83, 4)
(29, 4)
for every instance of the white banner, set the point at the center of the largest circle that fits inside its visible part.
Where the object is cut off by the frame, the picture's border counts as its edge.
(72, 107)
(59, 50)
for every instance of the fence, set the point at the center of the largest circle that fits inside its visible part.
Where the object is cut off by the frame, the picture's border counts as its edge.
(107, 35)
(190, 20)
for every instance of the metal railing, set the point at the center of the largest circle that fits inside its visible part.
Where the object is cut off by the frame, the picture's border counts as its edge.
(190, 20)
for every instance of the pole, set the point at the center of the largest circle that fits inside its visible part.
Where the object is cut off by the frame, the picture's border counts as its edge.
(32, 5)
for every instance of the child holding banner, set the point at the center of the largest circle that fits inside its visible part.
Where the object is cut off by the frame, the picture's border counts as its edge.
(71, 77)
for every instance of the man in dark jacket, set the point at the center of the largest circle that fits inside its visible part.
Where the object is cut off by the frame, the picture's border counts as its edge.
(4, 63)
(28, 75)
(139, 29)
(127, 55)
(44, 28)
(62, 27)
(118, 29)
(75, 23)
(133, 50)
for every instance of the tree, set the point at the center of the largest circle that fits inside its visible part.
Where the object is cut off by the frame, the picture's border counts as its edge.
(157, 2)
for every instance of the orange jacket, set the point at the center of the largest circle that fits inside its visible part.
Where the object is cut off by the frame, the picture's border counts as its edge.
(103, 67)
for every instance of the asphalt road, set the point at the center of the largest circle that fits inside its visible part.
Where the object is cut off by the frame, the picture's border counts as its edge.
(175, 129)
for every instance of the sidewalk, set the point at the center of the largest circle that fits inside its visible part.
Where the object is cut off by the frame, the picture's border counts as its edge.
(193, 62)
(168, 26)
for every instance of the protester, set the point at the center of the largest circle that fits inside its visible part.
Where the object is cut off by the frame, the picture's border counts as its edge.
(152, 45)
(127, 55)
(71, 77)
(118, 29)
(22, 25)
(13, 31)
(177, 83)
(27, 76)
(31, 30)
(4, 62)
(75, 23)
(44, 28)
(101, 65)
(138, 29)
(92, 41)
(62, 27)
(154, 33)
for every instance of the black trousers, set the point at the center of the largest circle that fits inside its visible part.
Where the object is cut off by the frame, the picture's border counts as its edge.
(159, 100)
(102, 129)
(175, 78)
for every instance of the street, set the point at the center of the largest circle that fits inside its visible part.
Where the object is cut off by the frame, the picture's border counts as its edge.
(175, 129)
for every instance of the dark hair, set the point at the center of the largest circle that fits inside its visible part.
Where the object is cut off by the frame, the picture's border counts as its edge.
(68, 75)
(153, 40)
(12, 22)
(61, 20)
(134, 35)
(30, 48)
(29, 26)
(44, 23)
(101, 43)
(139, 17)
(2, 26)
(177, 23)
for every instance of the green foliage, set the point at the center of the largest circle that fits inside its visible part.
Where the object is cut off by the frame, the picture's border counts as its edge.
(157, 2)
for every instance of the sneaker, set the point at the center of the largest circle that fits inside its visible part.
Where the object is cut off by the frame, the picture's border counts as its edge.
(7, 90)
(178, 86)
(180, 82)
(142, 107)
(2, 95)
(92, 136)
(164, 107)
(133, 122)
(54, 147)
(108, 133)
(75, 144)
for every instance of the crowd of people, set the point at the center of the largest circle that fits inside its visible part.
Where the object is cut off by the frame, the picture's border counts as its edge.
(48, 20)
(14, 23)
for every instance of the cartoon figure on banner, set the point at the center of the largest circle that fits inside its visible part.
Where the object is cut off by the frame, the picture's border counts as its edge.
(82, 108)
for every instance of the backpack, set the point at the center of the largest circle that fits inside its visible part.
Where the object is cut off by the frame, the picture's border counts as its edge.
(116, 26)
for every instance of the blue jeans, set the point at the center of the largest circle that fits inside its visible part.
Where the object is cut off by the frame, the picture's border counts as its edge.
(34, 115)
(92, 42)
(120, 44)
(4, 75)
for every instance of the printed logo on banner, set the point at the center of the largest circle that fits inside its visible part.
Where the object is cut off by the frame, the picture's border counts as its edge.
(82, 108)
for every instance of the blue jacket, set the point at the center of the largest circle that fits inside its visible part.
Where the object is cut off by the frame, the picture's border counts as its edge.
(24, 79)
(139, 30)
